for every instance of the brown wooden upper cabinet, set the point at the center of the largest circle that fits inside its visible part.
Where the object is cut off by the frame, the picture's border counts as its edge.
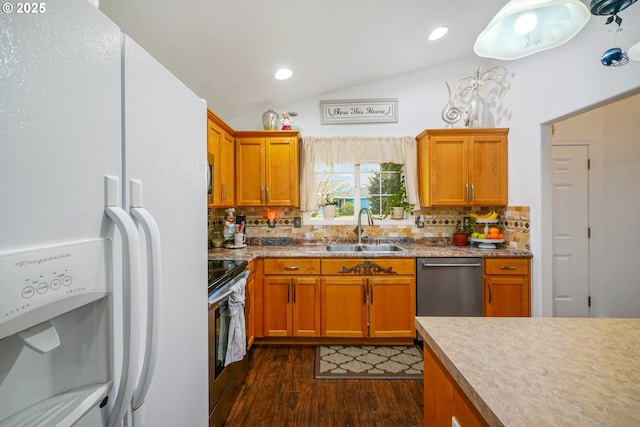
(463, 167)
(267, 168)
(221, 157)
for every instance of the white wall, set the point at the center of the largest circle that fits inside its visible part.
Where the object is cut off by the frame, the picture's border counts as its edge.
(612, 135)
(619, 275)
(547, 86)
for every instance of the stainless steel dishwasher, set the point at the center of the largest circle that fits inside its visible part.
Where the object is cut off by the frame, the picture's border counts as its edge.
(449, 287)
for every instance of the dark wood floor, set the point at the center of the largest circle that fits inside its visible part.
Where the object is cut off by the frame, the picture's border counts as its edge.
(280, 390)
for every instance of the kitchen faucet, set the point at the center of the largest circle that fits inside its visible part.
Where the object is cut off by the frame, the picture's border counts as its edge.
(358, 229)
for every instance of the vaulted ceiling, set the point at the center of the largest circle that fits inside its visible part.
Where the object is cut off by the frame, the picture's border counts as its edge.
(228, 50)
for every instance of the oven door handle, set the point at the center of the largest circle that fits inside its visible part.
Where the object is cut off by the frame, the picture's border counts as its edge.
(219, 298)
(215, 298)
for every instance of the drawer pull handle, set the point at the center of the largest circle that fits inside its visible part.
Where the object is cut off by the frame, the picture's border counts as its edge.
(292, 267)
(507, 267)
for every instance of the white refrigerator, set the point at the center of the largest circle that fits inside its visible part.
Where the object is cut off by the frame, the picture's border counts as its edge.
(102, 197)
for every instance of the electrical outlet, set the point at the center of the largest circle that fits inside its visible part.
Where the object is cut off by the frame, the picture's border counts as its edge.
(297, 222)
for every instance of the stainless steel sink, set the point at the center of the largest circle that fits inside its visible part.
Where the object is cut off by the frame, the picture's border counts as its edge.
(364, 248)
(383, 248)
(345, 248)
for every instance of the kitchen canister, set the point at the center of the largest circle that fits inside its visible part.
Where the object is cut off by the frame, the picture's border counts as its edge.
(270, 120)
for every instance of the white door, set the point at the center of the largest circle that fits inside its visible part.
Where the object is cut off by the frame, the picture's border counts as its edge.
(570, 222)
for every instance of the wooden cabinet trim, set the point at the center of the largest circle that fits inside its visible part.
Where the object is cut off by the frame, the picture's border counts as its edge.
(351, 266)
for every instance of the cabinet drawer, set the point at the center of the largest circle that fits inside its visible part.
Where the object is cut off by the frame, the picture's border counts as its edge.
(368, 267)
(506, 266)
(291, 266)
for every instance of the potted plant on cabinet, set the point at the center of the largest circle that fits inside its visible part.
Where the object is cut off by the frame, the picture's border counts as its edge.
(463, 229)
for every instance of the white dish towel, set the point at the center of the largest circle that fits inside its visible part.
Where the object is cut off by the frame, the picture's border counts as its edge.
(232, 314)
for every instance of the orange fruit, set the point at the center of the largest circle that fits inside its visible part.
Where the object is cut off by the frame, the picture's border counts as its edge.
(494, 230)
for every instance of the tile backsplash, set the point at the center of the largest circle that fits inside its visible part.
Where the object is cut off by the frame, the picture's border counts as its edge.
(439, 226)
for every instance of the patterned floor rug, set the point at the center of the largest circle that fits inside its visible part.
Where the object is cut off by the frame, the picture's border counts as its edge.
(368, 362)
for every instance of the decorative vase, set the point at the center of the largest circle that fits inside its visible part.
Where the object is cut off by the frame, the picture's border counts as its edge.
(270, 120)
(329, 211)
(475, 110)
(460, 239)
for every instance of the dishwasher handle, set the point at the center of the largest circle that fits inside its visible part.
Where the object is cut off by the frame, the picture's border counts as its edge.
(429, 265)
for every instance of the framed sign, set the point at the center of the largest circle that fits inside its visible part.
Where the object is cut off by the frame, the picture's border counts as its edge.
(343, 111)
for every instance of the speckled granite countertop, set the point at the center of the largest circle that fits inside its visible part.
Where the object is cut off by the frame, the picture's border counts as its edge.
(314, 251)
(542, 371)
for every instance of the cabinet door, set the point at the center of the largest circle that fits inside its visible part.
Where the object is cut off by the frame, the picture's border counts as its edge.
(227, 170)
(449, 170)
(281, 169)
(306, 306)
(277, 306)
(392, 307)
(506, 296)
(344, 307)
(250, 171)
(488, 170)
(214, 134)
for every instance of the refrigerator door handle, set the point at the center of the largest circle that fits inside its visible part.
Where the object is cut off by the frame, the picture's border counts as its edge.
(154, 284)
(131, 283)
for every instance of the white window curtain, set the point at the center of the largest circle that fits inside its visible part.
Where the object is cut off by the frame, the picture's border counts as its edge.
(356, 150)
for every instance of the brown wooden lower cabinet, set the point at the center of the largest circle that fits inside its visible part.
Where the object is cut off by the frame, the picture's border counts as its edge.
(291, 306)
(392, 307)
(368, 298)
(337, 298)
(343, 307)
(291, 296)
(355, 298)
(507, 288)
(443, 398)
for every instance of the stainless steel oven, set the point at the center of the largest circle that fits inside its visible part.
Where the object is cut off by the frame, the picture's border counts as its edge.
(224, 381)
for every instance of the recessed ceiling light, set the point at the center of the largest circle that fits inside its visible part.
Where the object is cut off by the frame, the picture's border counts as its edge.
(283, 74)
(438, 33)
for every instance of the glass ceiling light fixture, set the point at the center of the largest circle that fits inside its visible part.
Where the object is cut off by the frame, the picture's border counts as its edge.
(524, 27)
(283, 74)
(634, 52)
